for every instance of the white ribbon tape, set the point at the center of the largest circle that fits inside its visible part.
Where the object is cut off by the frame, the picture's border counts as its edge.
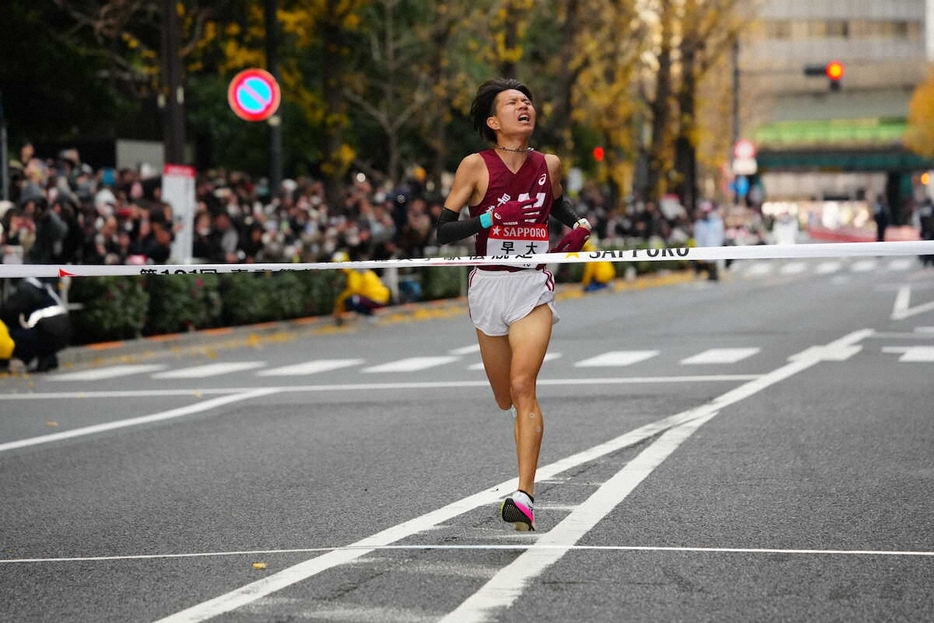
(759, 252)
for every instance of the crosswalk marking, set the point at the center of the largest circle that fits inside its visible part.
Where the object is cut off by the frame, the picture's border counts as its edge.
(912, 354)
(826, 268)
(412, 364)
(311, 367)
(211, 369)
(466, 350)
(712, 356)
(759, 269)
(793, 268)
(763, 268)
(109, 372)
(720, 355)
(548, 357)
(616, 358)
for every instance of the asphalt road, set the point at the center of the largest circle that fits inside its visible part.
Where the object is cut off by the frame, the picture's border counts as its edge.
(756, 449)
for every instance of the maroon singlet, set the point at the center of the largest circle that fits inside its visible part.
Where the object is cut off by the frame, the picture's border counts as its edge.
(532, 180)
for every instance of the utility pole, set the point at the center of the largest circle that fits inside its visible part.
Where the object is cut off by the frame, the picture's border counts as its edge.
(740, 196)
(735, 62)
(172, 92)
(275, 122)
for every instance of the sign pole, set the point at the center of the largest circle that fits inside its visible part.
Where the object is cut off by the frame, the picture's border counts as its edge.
(275, 121)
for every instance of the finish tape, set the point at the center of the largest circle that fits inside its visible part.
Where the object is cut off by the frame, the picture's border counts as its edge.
(757, 252)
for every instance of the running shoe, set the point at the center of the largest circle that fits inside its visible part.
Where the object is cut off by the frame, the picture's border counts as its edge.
(517, 510)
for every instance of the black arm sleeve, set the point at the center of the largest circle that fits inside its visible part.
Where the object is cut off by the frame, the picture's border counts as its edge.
(561, 210)
(450, 228)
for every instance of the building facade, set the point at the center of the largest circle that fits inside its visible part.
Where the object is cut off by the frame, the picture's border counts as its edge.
(819, 141)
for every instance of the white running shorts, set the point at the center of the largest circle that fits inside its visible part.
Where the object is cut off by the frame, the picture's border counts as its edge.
(498, 298)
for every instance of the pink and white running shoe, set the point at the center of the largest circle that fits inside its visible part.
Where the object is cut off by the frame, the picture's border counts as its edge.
(518, 510)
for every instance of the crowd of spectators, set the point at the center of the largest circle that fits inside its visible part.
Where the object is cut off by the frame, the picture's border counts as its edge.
(64, 212)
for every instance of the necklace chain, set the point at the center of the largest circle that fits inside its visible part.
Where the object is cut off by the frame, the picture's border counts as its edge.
(514, 151)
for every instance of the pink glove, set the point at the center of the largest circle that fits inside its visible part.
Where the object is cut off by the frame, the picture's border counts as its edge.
(573, 241)
(515, 212)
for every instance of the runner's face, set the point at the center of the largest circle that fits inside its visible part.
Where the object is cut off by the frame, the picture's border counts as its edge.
(514, 113)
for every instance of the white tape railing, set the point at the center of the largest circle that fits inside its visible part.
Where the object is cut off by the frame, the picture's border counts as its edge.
(760, 252)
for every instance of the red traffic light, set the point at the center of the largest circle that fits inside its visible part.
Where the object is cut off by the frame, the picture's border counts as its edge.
(834, 70)
(598, 154)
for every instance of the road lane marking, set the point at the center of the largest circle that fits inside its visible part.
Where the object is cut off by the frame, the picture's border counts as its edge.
(826, 268)
(465, 350)
(311, 367)
(412, 364)
(504, 588)
(333, 558)
(720, 355)
(209, 370)
(518, 547)
(793, 268)
(548, 357)
(145, 419)
(912, 354)
(863, 266)
(110, 372)
(616, 358)
(902, 308)
(254, 591)
(901, 264)
(759, 269)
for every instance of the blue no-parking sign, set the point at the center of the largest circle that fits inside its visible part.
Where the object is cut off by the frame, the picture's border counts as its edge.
(254, 95)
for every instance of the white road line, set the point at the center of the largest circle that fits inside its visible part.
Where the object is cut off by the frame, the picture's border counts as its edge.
(109, 372)
(465, 350)
(506, 587)
(304, 570)
(146, 419)
(793, 268)
(759, 269)
(616, 358)
(901, 264)
(912, 354)
(480, 547)
(902, 309)
(311, 367)
(826, 268)
(209, 370)
(548, 357)
(412, 364)
(863, 266)
(345, 387)
(720, 355)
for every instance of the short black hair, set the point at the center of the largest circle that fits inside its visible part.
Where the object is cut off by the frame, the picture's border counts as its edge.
(483, 103)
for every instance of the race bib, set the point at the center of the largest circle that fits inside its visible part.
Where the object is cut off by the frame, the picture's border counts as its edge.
(512, 240)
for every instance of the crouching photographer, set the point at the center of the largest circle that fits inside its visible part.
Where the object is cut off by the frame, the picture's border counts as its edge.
(34, 326)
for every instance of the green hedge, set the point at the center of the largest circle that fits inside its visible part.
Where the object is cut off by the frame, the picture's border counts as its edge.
(182, 303)
(118, 308)
(112, 308)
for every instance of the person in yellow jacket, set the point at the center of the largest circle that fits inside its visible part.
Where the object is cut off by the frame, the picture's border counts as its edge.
(6, 347)
(597, 275)
(363, 291)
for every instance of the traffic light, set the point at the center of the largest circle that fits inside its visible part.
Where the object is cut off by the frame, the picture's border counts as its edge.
(834, 71)
(598, 154)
